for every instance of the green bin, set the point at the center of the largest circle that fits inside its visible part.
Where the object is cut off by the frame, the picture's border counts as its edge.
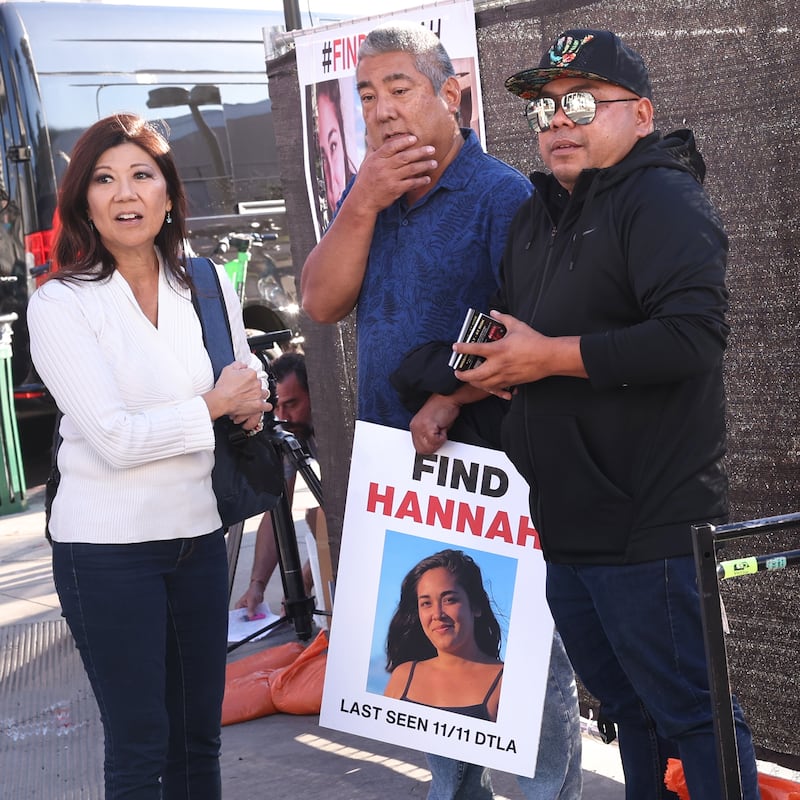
(12, 477)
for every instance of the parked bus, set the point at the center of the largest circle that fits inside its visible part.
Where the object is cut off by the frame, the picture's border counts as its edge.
(65, 65)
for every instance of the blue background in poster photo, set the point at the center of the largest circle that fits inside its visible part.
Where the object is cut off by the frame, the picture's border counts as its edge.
(400, 553)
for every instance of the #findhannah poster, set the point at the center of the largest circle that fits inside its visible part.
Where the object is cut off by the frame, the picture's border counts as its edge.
(405, 513)
(333, 127)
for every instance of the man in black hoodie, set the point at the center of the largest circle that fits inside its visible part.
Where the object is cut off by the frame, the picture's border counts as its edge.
(613, 293)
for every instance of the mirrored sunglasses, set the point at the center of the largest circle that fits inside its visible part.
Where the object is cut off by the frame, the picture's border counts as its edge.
(579, 107)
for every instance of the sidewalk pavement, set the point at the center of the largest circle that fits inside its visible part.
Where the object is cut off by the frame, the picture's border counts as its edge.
(51, 737)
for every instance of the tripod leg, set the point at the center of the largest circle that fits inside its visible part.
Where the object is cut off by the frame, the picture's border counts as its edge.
(233, 545)
(298, 606)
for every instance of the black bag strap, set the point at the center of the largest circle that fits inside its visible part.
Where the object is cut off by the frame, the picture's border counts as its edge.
(210, 307)
(54, 476)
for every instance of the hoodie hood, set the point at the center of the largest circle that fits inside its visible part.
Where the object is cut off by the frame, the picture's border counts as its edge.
(676, 150)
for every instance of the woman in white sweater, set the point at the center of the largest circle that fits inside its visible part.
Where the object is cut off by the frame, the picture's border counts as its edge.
(138, 549)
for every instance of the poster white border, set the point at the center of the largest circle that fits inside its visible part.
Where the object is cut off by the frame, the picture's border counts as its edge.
(392, 515)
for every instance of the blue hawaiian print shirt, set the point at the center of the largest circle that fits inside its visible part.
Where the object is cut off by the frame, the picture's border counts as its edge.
(427, 265)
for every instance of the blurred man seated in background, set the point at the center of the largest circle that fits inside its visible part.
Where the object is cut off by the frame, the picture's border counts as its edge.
(293, 411)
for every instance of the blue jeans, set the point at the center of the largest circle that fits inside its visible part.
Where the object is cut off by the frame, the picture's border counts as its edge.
(558, 764)
(150, 622)
(634, 635)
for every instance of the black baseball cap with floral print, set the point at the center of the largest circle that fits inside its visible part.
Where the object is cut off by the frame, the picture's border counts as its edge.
(597, 55)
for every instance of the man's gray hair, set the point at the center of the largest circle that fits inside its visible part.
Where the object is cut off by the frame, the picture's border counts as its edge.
(430, 57)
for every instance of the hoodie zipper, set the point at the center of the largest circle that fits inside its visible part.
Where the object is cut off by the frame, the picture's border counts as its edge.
(548, 258)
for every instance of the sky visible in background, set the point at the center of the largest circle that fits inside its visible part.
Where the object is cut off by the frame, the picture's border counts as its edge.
(322, 11)
(322, 8)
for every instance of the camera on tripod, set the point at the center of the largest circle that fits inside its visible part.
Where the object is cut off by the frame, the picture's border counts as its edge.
(260, 344)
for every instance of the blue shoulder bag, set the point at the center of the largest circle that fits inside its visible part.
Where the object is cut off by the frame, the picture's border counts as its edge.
(248, 468)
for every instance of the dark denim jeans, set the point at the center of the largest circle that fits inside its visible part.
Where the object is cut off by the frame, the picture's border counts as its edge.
(150, 622)
(634, 636)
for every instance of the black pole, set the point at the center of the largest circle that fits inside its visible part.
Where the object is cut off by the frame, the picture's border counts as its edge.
(705, 561)
(291, 15)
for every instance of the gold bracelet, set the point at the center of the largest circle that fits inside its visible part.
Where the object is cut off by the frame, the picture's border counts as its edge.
(258, 428)
(259, 580)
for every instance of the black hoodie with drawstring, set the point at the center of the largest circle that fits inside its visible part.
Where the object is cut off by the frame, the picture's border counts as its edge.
(633, 261)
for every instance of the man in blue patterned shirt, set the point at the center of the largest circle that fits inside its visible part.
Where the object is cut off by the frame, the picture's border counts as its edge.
(416, 240)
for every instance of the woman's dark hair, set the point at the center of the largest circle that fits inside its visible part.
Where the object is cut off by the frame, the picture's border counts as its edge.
(78, 247)
(333, 91)
(406, 641)
(291, 363)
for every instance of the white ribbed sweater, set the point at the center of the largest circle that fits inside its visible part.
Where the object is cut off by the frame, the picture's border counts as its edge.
(138, 441)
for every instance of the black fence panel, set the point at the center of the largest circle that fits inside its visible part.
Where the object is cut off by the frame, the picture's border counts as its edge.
(730, 71)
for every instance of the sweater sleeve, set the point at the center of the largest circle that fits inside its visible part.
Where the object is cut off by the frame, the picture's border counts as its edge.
(66, 329)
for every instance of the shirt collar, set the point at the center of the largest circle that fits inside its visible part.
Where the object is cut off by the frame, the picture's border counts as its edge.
(460, 171)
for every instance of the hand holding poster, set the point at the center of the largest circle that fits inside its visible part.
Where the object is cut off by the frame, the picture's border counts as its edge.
(441, 580)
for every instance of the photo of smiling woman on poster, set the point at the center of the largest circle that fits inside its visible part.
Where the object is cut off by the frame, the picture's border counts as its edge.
(333, 150)
(443, 645)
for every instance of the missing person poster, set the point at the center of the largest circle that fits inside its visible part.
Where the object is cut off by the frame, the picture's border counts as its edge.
(440, 638)
(333, 127)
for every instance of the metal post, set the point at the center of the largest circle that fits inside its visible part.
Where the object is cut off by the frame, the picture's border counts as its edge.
(12, 479)
(291, 15)
(721, 706)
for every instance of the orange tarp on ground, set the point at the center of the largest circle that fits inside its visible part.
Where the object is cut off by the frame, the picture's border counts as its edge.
(771, 787)
(287, 678)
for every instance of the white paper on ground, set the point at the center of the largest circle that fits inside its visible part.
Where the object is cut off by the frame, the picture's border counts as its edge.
(240, 627)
